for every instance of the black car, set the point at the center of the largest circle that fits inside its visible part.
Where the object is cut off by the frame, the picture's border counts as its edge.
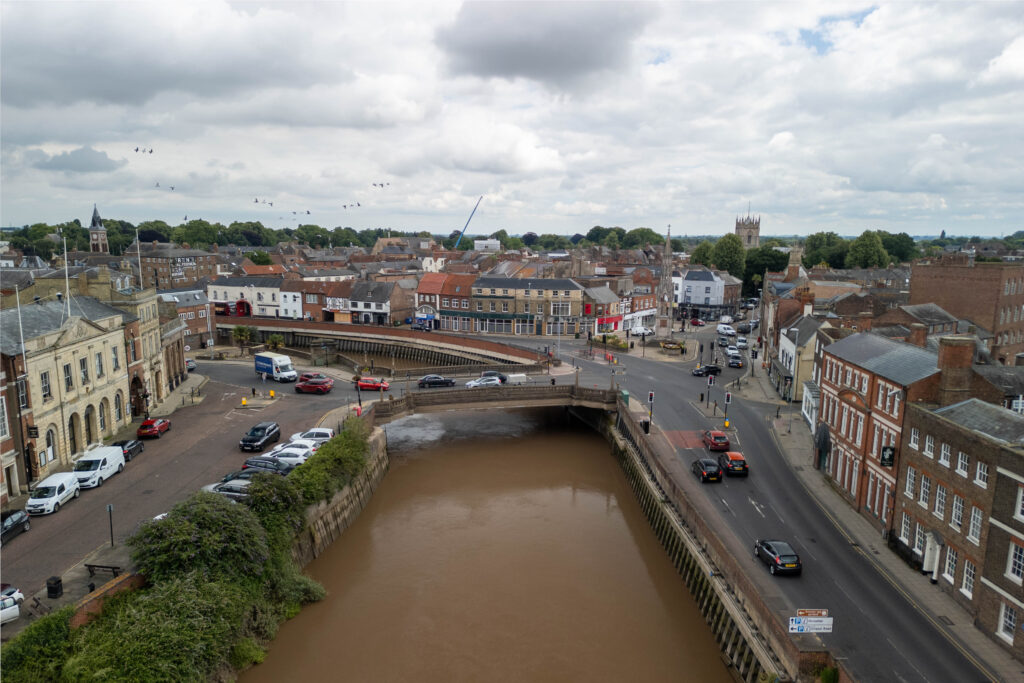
(130, 448)
(706, 469)
(705, 370)
(421, 327)
(435, 381)
(257, 438)
(265, 463)
(14, 522)
(779, 556)
(743, 327)
(494, 373)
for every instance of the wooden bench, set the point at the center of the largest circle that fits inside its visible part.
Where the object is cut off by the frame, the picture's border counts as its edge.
(93, 568)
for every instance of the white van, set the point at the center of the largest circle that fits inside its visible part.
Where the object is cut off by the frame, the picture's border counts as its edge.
(98, 465)
(726, 319)
(517, 379)
(53, 492)
(726, 330)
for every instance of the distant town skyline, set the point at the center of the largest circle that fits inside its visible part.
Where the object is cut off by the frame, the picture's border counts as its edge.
(840, 117)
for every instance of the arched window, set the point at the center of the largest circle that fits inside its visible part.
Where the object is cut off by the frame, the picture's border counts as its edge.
(117, 407)
(72, 437)
(103, 417)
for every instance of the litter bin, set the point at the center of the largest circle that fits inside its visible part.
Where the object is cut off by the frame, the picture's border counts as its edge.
(647, 426)
(54, 587)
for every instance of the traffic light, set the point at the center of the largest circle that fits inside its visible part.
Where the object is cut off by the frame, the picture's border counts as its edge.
(728, 398)
(650, 397)
(711, 380)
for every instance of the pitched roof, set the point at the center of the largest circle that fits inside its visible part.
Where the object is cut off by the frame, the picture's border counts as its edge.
(48, 316)
(902, 363)
(1009, 378)
(246, 281)
(272, 269)
(190, 298)
(991, 420)
(374, 292)
(803, 330)
(602, 295)
(929, 314)
(431, 283)
(458, 284)
(526, 283)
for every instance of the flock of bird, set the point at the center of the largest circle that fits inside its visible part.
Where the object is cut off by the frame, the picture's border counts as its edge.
(141, 149)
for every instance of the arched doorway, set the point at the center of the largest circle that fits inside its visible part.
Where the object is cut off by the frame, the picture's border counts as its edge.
(103, 416)
(90, 426)
(137, 398)
(73, 438)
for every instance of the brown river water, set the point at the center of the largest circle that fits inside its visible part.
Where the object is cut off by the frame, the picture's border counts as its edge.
(501, 546)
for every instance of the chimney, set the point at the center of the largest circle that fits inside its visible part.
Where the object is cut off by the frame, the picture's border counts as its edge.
(213, 247)
(864, 321)
(807, 300)
(918, 335)
(956, 355)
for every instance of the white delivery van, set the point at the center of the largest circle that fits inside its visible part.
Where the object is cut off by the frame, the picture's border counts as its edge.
(53, 492)
(275, 366)
(518, 379)
(98, 465)
(726, 330)
(726, 319)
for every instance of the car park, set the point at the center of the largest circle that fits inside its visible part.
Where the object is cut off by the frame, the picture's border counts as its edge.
(483, 382)
(307, 448)
(733, 464)
(153, 427)
(52, 492)
(494, 373)
(12, 523)
(190, 364)
(130, 448)
(315, 386)
(715, 440)
(98, 465)
(320, 434)
(705, 370)
(245, 474)
(741, 342)
(435, 381)
(267, 464)
(235, 489)
(779, 556)
(735, 362)
(260, 436)
(706, 470)
(372, 384)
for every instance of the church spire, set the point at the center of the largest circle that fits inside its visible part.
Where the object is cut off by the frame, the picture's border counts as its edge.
(97, 222)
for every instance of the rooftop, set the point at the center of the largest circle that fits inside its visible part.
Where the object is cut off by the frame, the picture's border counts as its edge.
(902, 363)
(985, 418)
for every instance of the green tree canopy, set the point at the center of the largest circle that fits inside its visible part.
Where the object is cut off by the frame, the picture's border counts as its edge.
(260, 258)
(197, 233)
(530, 239)
(760, 260)
(703, 254)
(729, 255)
(313, 235)
(639, 238)
(825, 247)
(867, 251)
(901, 247)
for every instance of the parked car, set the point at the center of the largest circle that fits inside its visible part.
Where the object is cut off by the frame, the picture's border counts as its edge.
(52, 492)
(715, 440)
(245, 474)
(705, 370)
(314, 386)
(372, 384)
(697, 322)
(320, 434)
(641, 331)
(483, 382)
(190, 364)
(235, 489)
(307, 448)
(420, 327)
(130, 448)
(743, 327)
(733, 464)
(779, 556)
(494, 373)
(735, 362)
(9, 610)
(291, 456)
(706, 470)
(153, 427)
(267, 464)
(98, 465)
(741, 342)
(306, 376)
(12, 523)
(260, 436)
(435, 381)
(9, 591)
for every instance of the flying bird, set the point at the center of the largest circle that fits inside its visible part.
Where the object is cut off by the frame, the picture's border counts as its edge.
(307, 212)
(256, 200)
(136, 149)
(358, 204)
(157, 185)
(185, 218)
(172, 188)
(150, 150)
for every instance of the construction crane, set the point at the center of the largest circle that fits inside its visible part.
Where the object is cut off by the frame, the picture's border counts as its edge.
(467, 222)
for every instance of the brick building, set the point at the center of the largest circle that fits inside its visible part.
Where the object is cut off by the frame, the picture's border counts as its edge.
(194, 310)
(959, 514)
(168, 266)
(990, 295)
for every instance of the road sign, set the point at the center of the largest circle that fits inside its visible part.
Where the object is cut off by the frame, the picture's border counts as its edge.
(810, 624)
(812, 612)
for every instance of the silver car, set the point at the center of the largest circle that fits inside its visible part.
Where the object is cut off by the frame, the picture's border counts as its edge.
(483, 382)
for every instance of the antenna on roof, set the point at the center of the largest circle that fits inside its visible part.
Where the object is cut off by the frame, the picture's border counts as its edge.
(66, 312)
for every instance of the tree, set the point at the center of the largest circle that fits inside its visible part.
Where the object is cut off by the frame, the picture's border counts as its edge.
(551, 242)
(867, 251)
(260, 258)
(275, 341)
(729, 255)
(825, 247)
(575, 239)
(703, 254)
(313, 235)
(760, 260)
(901, 247)
(241, 334)
(641, 237)
(530, 238)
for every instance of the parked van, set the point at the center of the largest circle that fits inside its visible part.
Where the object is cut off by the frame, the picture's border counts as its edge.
(518, 379)
(726, 319)
(726, 330)
(53, 492)
(98, 465)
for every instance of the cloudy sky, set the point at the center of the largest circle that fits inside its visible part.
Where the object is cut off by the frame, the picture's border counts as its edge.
(841, 116)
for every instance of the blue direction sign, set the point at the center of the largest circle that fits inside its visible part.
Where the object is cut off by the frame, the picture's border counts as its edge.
(810, 624)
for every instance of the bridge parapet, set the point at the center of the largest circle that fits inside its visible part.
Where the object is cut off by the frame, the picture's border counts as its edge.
(494, 397)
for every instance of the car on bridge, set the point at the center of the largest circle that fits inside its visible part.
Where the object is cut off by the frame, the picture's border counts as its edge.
(372, 384)
(715, 440)
(483, 382)
(494, 373)
(420, 327)
(706, 470)
(779, 556)
(153, 427)
(315, 386)
(705, 370)
(435, 381)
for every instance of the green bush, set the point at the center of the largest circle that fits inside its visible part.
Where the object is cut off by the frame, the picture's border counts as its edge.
(830, 675)
(335, 464)
(38, 653)
(246, 652)
(206, 533)
(277, 503)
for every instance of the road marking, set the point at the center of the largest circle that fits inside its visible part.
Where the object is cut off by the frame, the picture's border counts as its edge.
(727, 506)
(855, 603)
(757, 506)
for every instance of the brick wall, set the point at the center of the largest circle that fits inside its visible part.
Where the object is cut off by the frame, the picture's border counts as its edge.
(91, 605)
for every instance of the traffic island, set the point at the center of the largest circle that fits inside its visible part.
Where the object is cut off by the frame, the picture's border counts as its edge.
(259, 399)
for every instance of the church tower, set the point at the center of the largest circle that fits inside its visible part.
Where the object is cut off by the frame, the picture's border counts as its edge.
(663, 323)
(748, 229)
(98, 234)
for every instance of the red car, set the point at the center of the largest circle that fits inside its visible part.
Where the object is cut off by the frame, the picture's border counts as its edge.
(312, 375)
(372, 384)
(696, 322)
(320, 385)
(715, 440)
(153, 427)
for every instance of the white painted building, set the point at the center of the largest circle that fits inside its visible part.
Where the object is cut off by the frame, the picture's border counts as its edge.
(262, 293)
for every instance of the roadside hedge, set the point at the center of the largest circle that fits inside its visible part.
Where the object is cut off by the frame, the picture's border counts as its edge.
(221, 580)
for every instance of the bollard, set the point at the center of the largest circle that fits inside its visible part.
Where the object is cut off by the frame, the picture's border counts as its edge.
(271, 393)
(702, 397)
(244, 403)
